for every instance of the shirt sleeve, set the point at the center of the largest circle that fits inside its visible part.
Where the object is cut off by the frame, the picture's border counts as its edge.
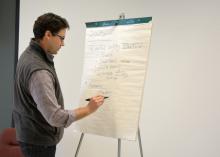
(41, 86)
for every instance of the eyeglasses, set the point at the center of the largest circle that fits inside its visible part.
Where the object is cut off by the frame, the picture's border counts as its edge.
(61, 37)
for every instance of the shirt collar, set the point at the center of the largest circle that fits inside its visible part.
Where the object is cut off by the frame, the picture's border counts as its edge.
(37, 46)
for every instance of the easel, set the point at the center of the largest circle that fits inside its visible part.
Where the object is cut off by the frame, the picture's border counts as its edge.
(119, 145)
(121, 16)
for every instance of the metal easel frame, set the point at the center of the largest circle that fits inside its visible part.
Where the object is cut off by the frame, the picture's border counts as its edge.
(119, 145)
(121, 16)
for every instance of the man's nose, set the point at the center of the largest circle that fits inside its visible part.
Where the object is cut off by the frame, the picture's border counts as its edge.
(62, 43)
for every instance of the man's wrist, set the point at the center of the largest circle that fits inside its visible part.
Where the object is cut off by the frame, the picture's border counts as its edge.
(89, 109)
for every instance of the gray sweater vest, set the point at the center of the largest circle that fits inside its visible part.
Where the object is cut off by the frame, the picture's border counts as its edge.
(31, 127)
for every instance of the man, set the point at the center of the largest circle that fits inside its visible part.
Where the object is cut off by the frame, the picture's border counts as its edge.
(39, 116)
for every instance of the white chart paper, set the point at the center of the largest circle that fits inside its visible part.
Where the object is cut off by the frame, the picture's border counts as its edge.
(115, 65)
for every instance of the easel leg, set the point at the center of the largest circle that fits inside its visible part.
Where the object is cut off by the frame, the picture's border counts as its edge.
(139, 140)
(80, 142)
(119, 147)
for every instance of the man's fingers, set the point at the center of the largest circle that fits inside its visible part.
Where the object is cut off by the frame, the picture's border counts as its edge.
(98, 98)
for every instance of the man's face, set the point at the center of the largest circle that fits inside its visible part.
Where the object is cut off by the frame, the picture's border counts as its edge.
(56, 41)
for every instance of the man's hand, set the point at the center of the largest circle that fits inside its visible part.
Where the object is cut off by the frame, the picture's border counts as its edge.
(94, 103)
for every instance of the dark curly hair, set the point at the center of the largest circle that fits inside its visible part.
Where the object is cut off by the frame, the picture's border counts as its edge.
(49, 22)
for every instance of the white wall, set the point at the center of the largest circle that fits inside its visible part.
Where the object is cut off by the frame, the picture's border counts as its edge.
(181, 111)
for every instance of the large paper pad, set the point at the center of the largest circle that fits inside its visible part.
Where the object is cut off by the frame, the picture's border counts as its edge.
(115, 65)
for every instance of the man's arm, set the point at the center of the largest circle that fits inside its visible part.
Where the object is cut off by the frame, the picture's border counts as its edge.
(41, 87)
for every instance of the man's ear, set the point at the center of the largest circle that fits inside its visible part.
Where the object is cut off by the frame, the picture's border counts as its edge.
(47, 34)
